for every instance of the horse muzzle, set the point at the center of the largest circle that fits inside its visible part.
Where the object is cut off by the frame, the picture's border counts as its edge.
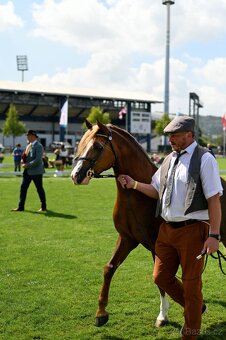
(82, 177)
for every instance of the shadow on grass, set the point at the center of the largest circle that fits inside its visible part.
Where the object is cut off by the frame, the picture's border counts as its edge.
(214, 332)
(218, 330)
(51, 213)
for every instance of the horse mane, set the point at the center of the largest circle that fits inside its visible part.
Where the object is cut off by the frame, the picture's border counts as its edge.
(127, 136)
(90, 134)
(86, 138)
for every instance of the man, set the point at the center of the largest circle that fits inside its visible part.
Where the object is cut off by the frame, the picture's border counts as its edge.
(33, 171)
(189, 203)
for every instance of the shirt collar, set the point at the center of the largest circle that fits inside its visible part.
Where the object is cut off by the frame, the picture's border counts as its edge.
(190, 149)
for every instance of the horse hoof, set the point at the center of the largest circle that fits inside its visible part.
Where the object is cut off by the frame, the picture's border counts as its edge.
(161, 323)
(101, 320)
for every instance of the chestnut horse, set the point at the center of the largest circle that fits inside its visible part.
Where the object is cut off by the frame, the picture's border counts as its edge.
(107, 146)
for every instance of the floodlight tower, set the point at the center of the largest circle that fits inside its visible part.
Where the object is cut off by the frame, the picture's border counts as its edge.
(22, 64)
(168, 3)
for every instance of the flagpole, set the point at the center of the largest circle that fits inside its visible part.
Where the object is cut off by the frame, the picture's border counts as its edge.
(126, 122)
(224, 141)
(224, 128)
(66, 132)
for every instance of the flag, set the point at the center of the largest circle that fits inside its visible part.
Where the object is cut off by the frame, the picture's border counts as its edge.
(122, 112)
(224, 121)
(64, 114)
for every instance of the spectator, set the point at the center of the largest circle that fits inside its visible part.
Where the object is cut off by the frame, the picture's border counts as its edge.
(45, 160)
(1, 157)
(63, 154)
(61, 159)
(156, 159)
(210, 148)
(17, 156)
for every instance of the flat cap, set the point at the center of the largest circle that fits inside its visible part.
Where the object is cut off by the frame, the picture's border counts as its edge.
(32, 132)
(180, 124)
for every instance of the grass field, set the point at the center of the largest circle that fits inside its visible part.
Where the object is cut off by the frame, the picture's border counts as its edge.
(7, 164)
(52, 269)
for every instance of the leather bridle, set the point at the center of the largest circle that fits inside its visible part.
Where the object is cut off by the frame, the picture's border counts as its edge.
(92, 161)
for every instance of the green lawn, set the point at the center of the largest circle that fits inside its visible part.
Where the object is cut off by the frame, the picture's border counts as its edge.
(222, 163)
(7, 164)
(52, 270)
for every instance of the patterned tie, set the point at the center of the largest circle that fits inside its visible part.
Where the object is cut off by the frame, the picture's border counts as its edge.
(171, 180)
(28, 149)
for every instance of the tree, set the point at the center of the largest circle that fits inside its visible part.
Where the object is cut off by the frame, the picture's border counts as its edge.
(161, 124)
(12, 126)
(96, 113)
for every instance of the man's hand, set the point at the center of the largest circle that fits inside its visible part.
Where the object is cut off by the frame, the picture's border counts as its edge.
(126, 181)
(210, 246)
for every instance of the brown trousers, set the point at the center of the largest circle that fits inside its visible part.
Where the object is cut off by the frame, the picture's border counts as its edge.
(176, 247)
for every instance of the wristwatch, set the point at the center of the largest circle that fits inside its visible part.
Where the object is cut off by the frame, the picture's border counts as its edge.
(216, 236)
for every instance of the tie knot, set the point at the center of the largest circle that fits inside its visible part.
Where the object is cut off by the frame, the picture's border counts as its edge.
(180, 153)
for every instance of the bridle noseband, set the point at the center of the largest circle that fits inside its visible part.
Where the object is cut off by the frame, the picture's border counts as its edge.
(92, 161)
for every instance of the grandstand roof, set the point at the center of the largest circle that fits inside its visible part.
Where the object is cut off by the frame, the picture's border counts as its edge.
(37, 101)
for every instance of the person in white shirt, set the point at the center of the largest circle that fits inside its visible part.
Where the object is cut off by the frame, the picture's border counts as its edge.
(188, 187)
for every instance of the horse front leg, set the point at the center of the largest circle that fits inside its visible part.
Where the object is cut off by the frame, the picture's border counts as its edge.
(162, 318)
(122, 249)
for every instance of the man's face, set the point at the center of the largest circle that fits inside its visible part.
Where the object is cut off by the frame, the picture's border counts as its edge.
(180, 140)
(31, 138)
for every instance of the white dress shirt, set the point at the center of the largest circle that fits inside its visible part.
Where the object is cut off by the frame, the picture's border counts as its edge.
(210, 179)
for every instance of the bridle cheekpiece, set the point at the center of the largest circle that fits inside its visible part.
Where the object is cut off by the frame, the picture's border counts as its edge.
(92, 161)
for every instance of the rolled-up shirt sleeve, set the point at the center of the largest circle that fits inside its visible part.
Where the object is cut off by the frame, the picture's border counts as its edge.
(209, 173)
(155, 182)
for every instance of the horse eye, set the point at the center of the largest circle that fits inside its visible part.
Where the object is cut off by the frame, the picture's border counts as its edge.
(98, 146)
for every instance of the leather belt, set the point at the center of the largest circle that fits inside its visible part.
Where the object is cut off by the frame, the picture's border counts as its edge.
(182, 223)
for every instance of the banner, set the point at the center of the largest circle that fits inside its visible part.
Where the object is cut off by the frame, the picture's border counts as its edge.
(64, 114)
(224, 121)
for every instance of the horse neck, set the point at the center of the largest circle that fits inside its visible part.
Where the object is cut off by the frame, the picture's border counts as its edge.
(131, 157)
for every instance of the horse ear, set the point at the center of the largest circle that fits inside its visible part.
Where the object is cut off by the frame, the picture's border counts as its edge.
(103, 127)
(88, 125)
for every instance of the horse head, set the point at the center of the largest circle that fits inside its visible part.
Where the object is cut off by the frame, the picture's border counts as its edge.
(95, 153)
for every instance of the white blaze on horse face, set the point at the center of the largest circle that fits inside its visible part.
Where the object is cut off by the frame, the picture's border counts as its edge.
(79, 164)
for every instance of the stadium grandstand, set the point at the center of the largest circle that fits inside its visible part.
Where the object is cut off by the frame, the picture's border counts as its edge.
(40, 106)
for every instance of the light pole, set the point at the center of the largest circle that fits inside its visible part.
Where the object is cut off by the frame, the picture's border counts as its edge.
(22, 64)
(195, 108)
(168, 3)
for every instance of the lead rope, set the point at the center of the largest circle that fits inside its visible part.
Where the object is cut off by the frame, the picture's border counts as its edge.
(219, 257)
(104, 176)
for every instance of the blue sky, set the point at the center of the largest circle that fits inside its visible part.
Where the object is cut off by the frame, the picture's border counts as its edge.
(119, 45)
